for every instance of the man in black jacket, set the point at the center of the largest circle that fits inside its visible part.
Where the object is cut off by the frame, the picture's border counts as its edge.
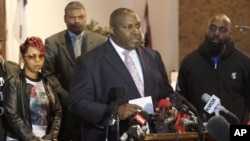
(217, 67)
(7, 68)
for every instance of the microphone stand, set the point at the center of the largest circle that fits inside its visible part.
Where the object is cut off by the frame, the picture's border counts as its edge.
(241, 29)
(111, 122)
(117, 127)
(107, 130)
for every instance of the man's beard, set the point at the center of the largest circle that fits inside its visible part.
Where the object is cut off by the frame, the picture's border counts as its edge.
(215, 48)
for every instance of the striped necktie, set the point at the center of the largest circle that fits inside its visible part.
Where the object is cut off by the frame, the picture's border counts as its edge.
(134, 72)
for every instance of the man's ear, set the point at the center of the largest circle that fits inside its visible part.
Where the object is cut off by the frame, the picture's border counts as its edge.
(112, 30)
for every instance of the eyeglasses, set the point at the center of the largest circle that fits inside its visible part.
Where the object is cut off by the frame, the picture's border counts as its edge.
(34, 56)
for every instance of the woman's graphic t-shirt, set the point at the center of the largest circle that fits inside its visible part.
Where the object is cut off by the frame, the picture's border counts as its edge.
(39, 106)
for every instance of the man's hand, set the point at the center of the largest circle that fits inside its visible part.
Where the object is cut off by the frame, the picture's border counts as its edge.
(126, 110)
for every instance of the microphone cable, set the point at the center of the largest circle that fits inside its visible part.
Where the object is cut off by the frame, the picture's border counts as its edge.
(117, 127)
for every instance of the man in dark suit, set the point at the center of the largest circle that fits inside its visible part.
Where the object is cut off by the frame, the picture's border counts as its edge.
(60, 60)
(91, 97)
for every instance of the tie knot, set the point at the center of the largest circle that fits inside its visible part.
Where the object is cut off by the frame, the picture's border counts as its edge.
(126, 53)
(78, 37)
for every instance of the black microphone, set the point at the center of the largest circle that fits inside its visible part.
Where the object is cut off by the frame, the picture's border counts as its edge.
(185, 110)
(138, 126)
(219, 128)
(180, 100)
(119, 93)
(214, 106)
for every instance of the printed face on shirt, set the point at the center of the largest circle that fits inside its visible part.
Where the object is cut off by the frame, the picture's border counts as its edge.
(127, 31)
(39, 105)
(33, 60)
(75, 20)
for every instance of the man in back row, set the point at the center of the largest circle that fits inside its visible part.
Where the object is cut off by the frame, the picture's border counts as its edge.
(61, 51)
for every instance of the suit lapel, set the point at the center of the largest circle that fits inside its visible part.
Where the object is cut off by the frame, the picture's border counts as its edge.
(116, 62)
(145, 69)
(67, 48)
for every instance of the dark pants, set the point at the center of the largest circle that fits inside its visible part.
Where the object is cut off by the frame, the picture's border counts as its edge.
(94, 134)
(70, 128)
(69, 135)
(2, 130)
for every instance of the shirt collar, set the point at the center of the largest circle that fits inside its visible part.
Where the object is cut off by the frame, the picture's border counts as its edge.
(74, 35)
(119, 49)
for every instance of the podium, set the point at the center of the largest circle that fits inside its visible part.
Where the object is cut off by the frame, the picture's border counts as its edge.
(188, 136)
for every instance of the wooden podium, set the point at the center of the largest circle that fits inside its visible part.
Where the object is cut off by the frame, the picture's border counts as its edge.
(188, 136)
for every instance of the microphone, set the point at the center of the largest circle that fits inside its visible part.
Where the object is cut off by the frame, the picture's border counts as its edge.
(242, 26)
(181, 102)
(166, 117)
(184, 109)
(141, 118)
(164, 105)
(219, 128)
(213, 106)
(119, 92)
(181, 128)
(186, 122)
(136, 131)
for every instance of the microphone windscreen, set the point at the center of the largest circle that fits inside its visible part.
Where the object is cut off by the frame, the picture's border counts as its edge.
(164, 103)
(133, 132)
(117, 93)
(144, 114)
(219, 128)
(121, 91)
(205, 97)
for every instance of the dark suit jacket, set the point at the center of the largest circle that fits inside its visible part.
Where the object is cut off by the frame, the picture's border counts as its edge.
(60, 58)
(102, 69)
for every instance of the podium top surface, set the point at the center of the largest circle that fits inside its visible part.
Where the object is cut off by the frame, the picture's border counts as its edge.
(188, 136)
(171, 136)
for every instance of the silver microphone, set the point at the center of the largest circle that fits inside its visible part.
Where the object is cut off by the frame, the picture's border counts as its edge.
(242, 26)
(186, 122)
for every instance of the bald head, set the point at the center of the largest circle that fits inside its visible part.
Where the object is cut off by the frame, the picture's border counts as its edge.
(222, 18)
(125, 28)
(218, 33)
(118, 14)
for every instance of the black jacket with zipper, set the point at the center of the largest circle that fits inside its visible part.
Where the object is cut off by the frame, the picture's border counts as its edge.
(229, 79)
